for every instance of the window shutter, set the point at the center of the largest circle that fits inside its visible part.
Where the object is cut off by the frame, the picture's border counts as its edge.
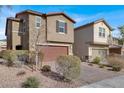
(57, 26)
(65, 27)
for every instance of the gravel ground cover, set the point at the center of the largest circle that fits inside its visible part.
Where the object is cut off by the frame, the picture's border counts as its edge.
(89, 74)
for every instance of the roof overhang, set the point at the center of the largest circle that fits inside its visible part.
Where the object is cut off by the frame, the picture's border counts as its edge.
(60, 13)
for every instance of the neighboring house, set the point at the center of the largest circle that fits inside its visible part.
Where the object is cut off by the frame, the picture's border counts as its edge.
(3, 45)
(115, 47)
(115, 41)
(92, 40)
(53, 33)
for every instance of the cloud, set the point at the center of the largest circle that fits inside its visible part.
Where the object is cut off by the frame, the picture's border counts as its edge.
(5, 12)
(83, 19)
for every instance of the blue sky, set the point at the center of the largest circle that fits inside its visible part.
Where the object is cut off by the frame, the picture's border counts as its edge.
(82, 14)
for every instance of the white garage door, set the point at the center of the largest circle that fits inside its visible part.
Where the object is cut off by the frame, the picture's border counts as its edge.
(99, 52)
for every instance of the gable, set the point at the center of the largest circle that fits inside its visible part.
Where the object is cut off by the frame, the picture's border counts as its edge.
(102, 24)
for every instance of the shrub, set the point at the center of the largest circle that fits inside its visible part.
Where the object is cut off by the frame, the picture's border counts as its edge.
(116, 68)
(101, 66)
(46, 68)
(21, 73)
(10, 56)
(68, 66)
(96, 60)
(31, 82)
(1, 54)
(116, 61)
(22, 55)
(90, 64)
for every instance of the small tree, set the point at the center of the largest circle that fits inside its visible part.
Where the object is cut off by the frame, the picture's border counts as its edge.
(121, 29)
(34, 44)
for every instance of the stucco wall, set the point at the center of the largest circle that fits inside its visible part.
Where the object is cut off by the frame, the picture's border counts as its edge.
(98, 39)
(9, 35)
(24, 35)
(34, 32)
(16, 40)
(53, 35)
(82, 37)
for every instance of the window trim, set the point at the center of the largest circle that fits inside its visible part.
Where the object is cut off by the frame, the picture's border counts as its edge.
(101, 32)
(36, 17)
(62, 27)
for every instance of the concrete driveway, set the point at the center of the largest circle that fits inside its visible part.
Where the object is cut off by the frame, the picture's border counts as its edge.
(92, 74)
(116, 82)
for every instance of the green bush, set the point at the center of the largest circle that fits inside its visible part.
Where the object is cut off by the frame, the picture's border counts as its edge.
(101, 66)
(96, 60)
(1, 54)
(116, 68)
(10, 56)
(31, 82)
(46, 68)
(68, 66)
(13, 56)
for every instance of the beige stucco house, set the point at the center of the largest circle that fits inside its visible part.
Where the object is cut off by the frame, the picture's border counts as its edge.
(52, 33)
(92, 40)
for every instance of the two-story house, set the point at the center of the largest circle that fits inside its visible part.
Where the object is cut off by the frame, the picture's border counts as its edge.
(52, 33)
(92, 40)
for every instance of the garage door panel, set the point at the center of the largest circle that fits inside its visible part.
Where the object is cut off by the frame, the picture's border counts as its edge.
(99, 52)
(52, 52)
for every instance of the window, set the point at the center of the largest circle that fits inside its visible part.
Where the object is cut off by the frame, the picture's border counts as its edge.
(101, 32)
(61, 26)
(37, 22)
(24, 25)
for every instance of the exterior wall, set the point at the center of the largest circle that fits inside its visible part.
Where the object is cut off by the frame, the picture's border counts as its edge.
(34, 32)
(9, 35)
(53, 35)
(24, 35)
(98, 39)
(82, 37)
(15, 35)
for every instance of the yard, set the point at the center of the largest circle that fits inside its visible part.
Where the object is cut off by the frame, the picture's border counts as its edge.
(89, 74)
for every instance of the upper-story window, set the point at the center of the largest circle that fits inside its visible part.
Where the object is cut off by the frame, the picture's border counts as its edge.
(24, 26)
(101, 32)
(61, 26)
(37, 22)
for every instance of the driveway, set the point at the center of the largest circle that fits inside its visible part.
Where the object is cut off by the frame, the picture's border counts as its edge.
(116, 82)
(91, 74)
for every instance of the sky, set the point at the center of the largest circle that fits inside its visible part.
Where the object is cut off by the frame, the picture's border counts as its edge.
(82, 14)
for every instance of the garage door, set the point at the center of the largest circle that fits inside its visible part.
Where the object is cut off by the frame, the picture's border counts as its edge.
(52, 52)
(99, 52)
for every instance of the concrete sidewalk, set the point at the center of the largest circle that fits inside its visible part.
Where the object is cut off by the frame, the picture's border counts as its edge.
(116, 82)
